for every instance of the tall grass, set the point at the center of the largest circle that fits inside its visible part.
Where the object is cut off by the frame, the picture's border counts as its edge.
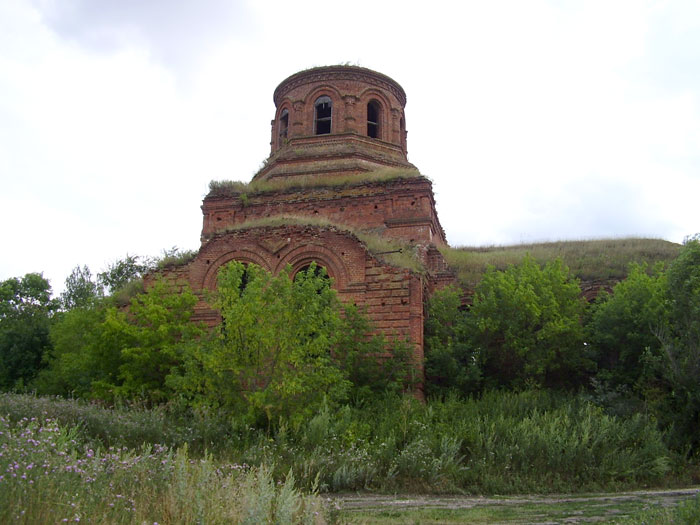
(501, 443)
(602, 259)
(48, 476)
(228, 188)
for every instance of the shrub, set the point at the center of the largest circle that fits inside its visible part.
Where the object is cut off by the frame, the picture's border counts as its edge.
(500, 443)
(623, 326)
(451, 362)
(527, 329)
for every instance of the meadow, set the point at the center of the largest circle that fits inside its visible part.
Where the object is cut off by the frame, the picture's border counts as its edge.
(588, 260)
(68, 460)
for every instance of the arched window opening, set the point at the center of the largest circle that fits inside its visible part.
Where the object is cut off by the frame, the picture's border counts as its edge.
(245, 278)
(283, 126)
(313, 270)
(373, 113)
(322, 119)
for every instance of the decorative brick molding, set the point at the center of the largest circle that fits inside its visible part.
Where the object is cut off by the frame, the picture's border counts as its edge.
(402, 208)
(300, 147)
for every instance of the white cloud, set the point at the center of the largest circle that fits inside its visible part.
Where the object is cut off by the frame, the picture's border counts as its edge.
(538, 120)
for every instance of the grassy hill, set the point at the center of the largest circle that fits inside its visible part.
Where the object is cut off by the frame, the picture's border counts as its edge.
(591, 260)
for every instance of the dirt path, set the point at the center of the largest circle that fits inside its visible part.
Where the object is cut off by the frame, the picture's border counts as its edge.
(373, 501)
(594, 507)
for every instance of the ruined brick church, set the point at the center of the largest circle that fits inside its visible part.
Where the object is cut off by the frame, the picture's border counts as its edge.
(337, 190)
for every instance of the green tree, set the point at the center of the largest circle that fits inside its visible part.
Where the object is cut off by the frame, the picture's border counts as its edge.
(122, 271)
(623, 327)
(80, 290)
(684, 292)
(84, 352)
(272, 354)
(26, 308)
(102, 351)
(365, 360)
(285, 347)
(451, 363)
(527, 326)
(157, 331)
(679, 364)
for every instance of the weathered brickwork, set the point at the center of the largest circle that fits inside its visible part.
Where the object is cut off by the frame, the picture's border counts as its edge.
(399, 208)
(339, 120)
(393, 297)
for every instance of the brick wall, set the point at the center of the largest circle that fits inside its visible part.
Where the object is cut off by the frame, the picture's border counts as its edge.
(401, 208)
(392, 297)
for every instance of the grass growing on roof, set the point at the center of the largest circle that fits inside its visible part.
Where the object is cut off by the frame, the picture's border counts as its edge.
(391, 251)
(228, 188)
(598, 259)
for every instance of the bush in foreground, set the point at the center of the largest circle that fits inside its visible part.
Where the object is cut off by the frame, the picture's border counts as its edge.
(500, 443)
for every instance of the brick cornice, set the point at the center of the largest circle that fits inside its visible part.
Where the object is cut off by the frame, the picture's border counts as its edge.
(334, 73)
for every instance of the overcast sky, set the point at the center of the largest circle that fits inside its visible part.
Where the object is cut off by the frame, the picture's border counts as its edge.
(536, 120)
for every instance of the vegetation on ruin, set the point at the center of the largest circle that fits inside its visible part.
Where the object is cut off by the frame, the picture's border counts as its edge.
(228, 188)
(175, 257)
(588, 260)
(391, 251)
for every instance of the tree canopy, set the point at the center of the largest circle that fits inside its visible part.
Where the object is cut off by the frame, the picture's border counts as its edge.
(26, 308)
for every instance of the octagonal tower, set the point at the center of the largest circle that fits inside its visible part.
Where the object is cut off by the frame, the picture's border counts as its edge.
(336, 120)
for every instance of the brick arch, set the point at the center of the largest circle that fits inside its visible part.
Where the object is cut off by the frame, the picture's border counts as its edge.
(286, 105)
(308, 253)
(244, 255)
(373, 95)
(310, 107)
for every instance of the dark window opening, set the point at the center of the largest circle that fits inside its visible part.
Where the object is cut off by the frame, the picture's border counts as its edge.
(373, 120)
(245, 278)
(322, 120)
(318, 271)
(283, 126)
